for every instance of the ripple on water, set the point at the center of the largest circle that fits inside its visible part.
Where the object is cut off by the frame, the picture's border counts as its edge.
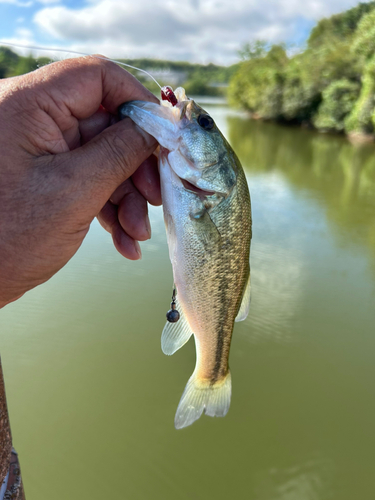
(309, 480)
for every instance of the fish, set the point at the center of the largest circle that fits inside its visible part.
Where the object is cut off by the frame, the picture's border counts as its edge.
(207, 214)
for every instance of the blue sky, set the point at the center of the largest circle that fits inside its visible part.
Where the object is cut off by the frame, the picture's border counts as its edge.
(193, 30)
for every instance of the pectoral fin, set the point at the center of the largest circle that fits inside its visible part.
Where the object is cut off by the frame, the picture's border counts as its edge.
(245, 304)
(205, 227)
(175, 335)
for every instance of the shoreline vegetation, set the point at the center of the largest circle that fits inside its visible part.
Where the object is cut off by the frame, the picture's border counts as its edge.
(328, 86)
(197, 79)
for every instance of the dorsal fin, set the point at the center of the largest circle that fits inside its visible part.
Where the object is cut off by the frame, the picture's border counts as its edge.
(175, 335)
(245, 304)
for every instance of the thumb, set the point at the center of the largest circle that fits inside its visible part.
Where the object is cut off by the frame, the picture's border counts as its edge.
(110, 158)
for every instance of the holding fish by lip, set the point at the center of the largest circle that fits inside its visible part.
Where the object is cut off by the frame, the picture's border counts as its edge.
(207, 215)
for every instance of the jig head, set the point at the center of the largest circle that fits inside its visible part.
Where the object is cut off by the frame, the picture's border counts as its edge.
(173, 315)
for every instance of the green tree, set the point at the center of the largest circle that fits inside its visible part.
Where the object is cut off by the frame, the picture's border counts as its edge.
(8, 62)
(199, 84)
(310, 73)
(364, 39)
(362, 117)
(338, 101)
(12, 64)
(341, 26)
(25, 65)
(258, 84)
(253, 50)
(329, 84)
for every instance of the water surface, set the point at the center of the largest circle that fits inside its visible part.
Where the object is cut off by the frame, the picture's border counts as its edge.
(92, 398)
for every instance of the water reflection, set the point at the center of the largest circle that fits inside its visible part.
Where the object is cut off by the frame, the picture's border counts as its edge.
(337, 174)
(311, 480)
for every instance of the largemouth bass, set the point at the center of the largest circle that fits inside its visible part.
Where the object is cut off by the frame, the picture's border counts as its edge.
(207, 215)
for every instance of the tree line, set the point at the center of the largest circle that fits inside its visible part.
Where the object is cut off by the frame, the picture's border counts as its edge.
(330, 85)
(11, 64)
(197, 79)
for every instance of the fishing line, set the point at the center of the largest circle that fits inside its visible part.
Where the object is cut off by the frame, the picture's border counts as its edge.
(80, 54)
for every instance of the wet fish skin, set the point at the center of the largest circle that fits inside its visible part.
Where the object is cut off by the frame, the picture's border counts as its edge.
(209, 233)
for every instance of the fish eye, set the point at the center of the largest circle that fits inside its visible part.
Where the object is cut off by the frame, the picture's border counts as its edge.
(206, 122)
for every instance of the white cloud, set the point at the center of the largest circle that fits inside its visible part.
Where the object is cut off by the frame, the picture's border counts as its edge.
(202, 30)
(24, 33)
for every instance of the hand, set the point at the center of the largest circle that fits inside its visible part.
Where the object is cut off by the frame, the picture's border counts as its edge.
(65, 160)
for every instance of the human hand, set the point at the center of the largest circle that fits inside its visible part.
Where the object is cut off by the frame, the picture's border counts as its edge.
(65, 160)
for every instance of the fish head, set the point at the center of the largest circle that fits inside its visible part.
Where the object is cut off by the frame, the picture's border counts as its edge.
(200, 140)
(194, 147)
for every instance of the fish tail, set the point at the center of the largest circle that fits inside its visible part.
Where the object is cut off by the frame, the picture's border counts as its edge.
(201, 396)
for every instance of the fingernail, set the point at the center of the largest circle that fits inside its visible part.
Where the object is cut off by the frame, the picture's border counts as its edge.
(148, 226)
(138, 249)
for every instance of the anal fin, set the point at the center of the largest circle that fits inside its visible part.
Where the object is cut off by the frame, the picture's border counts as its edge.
(175, 335)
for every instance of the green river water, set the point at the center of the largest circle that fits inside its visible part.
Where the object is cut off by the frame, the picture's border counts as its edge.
(92, 398)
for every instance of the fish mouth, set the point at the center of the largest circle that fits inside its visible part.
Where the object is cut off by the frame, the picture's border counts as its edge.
(202, 193)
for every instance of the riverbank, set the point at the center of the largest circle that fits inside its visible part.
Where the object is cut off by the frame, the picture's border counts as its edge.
(353, 137)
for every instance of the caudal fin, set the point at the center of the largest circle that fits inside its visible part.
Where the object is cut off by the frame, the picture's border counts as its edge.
(203, 397)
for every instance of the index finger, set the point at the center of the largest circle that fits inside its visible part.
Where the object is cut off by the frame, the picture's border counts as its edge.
(82, 84)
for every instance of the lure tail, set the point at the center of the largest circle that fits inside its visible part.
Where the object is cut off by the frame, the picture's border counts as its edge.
(201, 396)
